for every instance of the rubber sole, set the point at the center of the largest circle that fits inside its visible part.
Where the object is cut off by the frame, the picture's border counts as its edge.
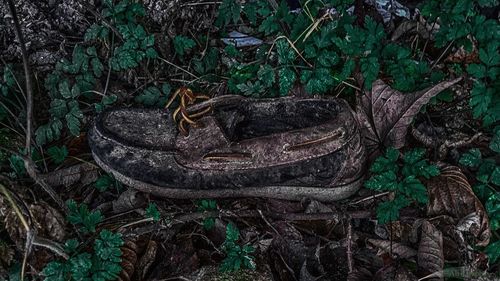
(294, 193)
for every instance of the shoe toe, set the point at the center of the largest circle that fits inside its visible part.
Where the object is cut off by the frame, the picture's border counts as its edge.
(147, 128)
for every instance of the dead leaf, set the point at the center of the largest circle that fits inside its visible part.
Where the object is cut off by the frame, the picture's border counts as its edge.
(130, 199)
(129, 259)
(359, 275)
(394, 272)
(450, 194)
(85, 173)
(385, 114)
(430, 250)
(397, 249)
(147, 259)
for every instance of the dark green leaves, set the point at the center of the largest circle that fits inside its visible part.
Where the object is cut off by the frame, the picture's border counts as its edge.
(153, 96)
(107, 246)
(183, 44)
(472, 158)
(81, 216)
(152, 212)
(229, 11)
(389, 175)
(57, 154)
(236, 256)
(286, 79)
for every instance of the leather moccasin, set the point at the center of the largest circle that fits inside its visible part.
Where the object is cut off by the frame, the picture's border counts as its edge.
(286, 148)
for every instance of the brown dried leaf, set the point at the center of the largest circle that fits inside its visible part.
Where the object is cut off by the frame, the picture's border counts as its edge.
(430, 250)
(129, 260)
(85, 173)
(385, 113)
(147, 259)
(450, 194)
(397, 249)
(394, 272)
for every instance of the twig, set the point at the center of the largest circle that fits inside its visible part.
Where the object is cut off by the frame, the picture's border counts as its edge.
(442, 54)
(350, 263)
(29, 90)
(51, 245)
(178, 67)
(28, 162)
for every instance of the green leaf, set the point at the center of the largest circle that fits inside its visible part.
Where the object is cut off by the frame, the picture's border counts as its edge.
(104, 182)
(485, 171)
(495, 176)
(229, 11)
(477, 70)
(80, 215)
(152, 212)
(58, 108)
(71, 245)
(370, 68)
(149, 97)
(251, 88)
(472, 158)
(386, 162)
(266, 75)
(107, 246)
(183, 44)
(493, 208)
(383, 181)
(48, 132)
(490, 56)
(57, 154)
(16, 163)
(495, 141)
(480, 99)
(73, 118)
(54, 271)
(232, 233)
(414, 189)
(493, 252)
(286, 79)
(97, 67)
(389, 211)
(64, 89)
(105, 102)
(286, 54)
(269, 25)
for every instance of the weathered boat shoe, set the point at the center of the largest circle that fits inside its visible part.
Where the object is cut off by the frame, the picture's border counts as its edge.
(286, 148)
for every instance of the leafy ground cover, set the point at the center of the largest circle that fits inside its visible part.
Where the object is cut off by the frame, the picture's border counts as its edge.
(430, 206)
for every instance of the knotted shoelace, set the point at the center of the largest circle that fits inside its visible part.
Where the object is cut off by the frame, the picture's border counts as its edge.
(181, 116)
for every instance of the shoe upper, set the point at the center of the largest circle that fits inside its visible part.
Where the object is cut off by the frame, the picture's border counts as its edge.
(245, 142)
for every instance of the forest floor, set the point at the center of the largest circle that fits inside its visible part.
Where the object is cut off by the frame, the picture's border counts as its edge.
(430, 206)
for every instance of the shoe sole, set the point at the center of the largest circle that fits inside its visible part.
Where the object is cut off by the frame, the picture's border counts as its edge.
(294, 193)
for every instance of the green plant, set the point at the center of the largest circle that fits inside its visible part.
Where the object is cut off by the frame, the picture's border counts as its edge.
(76, 79)
(103, 263)
(205, 205)
(461, 24)
(57, 154)
(153, 96)
(106, 181)
(183, 44)
(236, 256)
(80, 215)
(487, 173)
(402, 179)
(152, 212)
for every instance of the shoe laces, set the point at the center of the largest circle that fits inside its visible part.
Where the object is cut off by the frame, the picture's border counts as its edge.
(181, 116)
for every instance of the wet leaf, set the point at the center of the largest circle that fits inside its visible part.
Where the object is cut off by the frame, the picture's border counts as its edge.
(430, 250)
(385, 113)
(395, 248)
(450, 194)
